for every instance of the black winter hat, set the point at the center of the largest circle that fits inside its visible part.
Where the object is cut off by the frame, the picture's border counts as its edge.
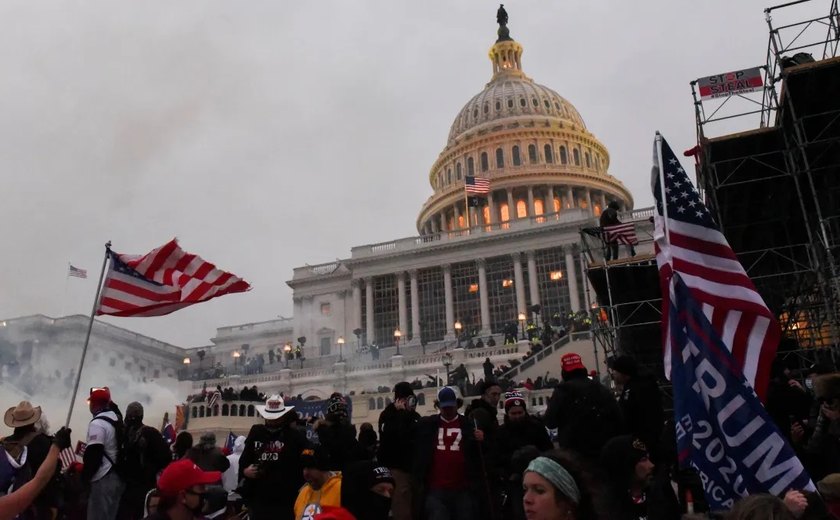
(403, 389)
(315, 457)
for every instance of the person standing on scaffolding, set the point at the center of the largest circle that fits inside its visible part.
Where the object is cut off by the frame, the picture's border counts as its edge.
(609, 217)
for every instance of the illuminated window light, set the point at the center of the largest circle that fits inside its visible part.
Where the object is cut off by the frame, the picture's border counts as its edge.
(555, 275)
(473, 287)
(507, 283)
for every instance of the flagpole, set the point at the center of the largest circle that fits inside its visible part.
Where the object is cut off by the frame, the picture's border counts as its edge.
(467, 207)
(662, 187)
(90, 327)
(66, 283)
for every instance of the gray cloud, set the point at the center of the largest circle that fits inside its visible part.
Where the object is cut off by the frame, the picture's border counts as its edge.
(269, 134)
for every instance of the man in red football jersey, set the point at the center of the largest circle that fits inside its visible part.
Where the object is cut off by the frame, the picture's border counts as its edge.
(447, 463)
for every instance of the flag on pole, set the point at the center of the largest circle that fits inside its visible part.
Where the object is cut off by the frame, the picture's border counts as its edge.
(168, 431)
(231, 439)
(476, 185)
(723, 432)
(624, 233)
(161, 282)
(67, 457)
(75, 271)
(688, 242)
(180, 418)
(213, 398)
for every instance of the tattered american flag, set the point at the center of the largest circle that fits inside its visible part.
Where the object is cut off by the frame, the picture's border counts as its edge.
(161, 282)
(622, 233)
(477, 185)
(75, 271)
(691, 244)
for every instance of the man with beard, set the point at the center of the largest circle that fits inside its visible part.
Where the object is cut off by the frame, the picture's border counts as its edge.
(270, 463)
(519, 430)
(366, 490)
(146, 455)
(181, 487)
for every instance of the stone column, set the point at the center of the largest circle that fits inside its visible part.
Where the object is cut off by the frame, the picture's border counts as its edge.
(442, 221)
(532, 211)
(357, 304)
(415, 308)
(533, 286)
(571, 272)
(484, 298)
(549, 199)
(450, 304)
(434, 226)
(519, 282)
(491, 208)
(588, 195)
(369, 331)
(570, 193)
(603, 201)
(403, 307)
(511, 205)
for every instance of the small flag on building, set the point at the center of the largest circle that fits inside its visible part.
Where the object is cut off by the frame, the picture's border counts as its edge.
(476, 185)
(624, 233)
(161, 282)
(75, 271)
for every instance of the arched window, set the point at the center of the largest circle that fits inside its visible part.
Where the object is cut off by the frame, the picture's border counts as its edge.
(504, 212)
(522, 102)
(576, 155)
(517, 161)
(448, 177)
(233, 410)
(510, 102)
(498, 105)
(588, 160)
(485, 164)
(486, 108)
(532, 153)
(371, 404)
(485, 213)
(500, 158)
(250, 410)
(458, 171)
(539, 207)
(557, 205)
(564, 157)
(216, 411)
(549, 154)
(597, 210)
(521, 209)
(470, 166)
(597, 163)
(201, 411)
(421, 399)
(380, 404)
(225, 410)
(242, 410)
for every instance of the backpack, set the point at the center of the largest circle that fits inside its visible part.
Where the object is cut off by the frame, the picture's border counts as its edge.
(590, 422)
(120, 463)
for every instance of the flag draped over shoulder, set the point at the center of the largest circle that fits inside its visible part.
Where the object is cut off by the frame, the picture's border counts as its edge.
(162, 281)
(688, 242)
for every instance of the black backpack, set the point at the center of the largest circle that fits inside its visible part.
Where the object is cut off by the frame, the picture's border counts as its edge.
(591, 422)
(120, 464)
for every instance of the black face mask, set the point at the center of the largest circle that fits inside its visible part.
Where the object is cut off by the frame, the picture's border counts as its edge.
(378, 506)
(133, 422)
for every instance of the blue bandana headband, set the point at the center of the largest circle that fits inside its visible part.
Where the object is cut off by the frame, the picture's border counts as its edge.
(557, 475)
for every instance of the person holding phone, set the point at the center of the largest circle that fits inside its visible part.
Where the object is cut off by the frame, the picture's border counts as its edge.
(397, 425)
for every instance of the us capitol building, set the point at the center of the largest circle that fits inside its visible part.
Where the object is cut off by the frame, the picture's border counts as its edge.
(549, 176)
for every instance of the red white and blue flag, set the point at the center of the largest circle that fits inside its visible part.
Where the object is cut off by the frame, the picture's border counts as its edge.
(231, 440)
(168, 432)
(688, 242)
(476, 185)
(162, 281)
(624, 233)
(76, 272)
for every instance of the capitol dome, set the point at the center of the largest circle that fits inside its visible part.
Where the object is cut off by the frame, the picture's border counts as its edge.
(529, 143)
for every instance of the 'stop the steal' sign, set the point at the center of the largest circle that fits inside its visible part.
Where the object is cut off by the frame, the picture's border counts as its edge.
(723, 432)
(737, 82)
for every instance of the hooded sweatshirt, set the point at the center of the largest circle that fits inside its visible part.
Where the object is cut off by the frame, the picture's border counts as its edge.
(230, 478)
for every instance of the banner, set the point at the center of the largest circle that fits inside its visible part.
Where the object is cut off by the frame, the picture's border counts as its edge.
(730, 83)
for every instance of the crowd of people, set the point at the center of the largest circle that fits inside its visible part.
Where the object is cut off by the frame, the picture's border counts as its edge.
(598, 452)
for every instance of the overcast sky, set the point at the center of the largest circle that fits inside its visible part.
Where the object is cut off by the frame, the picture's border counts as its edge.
(266, 134)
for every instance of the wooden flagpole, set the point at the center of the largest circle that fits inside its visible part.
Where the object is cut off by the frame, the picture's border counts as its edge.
(87, 337)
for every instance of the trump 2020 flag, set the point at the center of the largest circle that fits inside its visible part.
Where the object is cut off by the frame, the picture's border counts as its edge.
(162, 281)
(723, 431)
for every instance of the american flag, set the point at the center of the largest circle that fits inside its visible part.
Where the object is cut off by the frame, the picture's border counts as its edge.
(213, 398)
(477, 185)
(688, 242)
(622, 233)
(68, 456)
(75, 271)
(161, 282)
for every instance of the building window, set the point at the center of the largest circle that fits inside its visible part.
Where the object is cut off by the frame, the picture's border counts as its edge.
(371, 404)
(470, 166)
(326, 346)
(242, 410)
(521, 209)
(504, 212)
(380, 403)
(500, 158)
(326, 309)
(588, 160)
(225, 410)
(549, 154)
(510, 103)
(539, 207)
(421, 399)
(517, 161)
(553, 287)
(385, 309)
(576, 155)
(458, 171)
(522, 102)
(547, 104)
(501, 298)
(532, 153)
(485, 164)
(485, 212)
(557, 205)
(250, 410)
(486, 108)
(233, 410)
(498, 105)
(466, 303)
(475, 114)
(564, 158)
(432, 304)
(535, 102)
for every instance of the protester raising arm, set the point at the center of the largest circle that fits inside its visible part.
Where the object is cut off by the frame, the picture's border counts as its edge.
(13, 504)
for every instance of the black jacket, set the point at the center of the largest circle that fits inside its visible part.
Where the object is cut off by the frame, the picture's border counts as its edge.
(641, 410)
(146, 455)
(585, 414)
(485, 416)
(514, 436)
(396, 437)
(339, 440)
(277, 453)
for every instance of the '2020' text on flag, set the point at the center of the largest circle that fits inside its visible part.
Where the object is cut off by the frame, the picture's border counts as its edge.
(162, 281)
(688, 242)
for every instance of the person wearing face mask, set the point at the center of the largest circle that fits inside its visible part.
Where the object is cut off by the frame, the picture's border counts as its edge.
(271, 463)
(518, 431)
(366, 490)
(181, 488)
(146, 455)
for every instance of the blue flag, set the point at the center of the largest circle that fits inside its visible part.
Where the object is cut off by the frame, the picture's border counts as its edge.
(723, 431)
(231, 439)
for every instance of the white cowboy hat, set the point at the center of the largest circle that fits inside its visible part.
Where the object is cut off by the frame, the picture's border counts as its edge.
(274, 408)
(23, 414)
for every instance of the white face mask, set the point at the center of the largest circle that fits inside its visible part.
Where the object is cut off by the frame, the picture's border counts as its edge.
(809, 383)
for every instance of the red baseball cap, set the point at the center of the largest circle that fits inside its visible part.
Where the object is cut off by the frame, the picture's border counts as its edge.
(571, 361)
(182, 475)
(99, 395)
